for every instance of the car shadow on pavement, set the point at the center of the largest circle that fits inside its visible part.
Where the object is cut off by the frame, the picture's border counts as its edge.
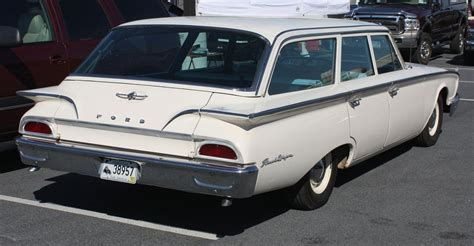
(161, 206)
(346, 175)
(180, 209)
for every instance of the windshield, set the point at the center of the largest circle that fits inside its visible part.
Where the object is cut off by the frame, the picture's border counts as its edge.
(200, 56)
(412, 2)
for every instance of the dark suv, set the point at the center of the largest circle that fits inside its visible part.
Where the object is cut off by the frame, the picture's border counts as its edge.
(418, 25)
(42, 41)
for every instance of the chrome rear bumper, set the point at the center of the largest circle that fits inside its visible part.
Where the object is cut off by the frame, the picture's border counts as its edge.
(177, 174)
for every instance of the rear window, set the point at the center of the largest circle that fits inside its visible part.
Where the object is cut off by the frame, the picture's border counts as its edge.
(202, 56)
(142, 9)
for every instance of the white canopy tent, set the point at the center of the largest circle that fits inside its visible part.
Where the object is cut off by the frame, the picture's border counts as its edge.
(271, 8)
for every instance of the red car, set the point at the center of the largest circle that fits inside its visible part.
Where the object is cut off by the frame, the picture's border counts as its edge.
(42, 41)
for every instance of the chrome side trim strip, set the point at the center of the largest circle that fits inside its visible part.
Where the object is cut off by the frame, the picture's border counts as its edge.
(248, 121)
(62, 97)
(14, 102)
(17, 106)
(124, 129)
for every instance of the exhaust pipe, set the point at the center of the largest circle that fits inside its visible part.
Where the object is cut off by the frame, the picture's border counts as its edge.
(226, 202)
(34, 169)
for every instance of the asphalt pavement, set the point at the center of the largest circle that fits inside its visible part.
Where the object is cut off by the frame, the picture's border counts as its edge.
(406, 196)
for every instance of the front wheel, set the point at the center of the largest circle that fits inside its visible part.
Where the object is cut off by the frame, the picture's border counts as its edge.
(314, 189)
(432, 130)
(425, 49)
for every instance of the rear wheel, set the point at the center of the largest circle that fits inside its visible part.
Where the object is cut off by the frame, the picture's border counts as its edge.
(314, 189)
(432, 130)
(458, 43)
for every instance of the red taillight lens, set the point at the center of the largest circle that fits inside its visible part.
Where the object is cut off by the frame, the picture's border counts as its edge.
(219, 151)
(38, 127)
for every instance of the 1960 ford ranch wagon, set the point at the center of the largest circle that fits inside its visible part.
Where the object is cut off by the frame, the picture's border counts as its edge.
(235, 107)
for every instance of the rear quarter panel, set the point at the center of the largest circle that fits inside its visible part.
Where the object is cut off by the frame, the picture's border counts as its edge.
(307, 136)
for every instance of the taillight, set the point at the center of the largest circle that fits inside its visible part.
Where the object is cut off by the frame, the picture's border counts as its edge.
(219, 151)
(38, 127)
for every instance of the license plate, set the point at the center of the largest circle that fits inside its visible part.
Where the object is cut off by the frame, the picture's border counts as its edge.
(119, 171)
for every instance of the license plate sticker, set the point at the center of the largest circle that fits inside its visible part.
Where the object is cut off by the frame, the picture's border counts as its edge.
(120, 171)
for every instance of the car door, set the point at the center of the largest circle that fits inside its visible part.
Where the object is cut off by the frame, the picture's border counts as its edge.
(305, 106)
(368, 106)
(441, 27)
(39, 62)
(405, 96)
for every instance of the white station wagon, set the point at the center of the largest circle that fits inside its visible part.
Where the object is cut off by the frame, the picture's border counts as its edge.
(235, 107)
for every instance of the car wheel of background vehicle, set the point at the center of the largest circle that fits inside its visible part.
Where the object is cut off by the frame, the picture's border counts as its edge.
(425, 49)
(459, 41)
(314, 189)
(432, 130)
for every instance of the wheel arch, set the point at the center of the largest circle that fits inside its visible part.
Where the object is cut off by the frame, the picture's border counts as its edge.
(444, 92)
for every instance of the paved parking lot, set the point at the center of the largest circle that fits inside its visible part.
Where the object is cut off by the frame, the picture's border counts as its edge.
(406, 196)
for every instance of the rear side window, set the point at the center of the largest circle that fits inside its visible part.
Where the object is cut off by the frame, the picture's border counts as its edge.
(142, 9)
(304, 65)
(356, 60)
(84, 19)
(385, 56)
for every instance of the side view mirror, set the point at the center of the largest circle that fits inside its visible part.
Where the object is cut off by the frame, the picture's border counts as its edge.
(436, 6)
(9, 37)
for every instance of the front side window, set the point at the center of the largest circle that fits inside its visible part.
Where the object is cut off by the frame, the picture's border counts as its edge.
(356, 60)
(304, 65)
(84, 19)
(385, 56)
(142, 9)
(29, 17)
(201, 56)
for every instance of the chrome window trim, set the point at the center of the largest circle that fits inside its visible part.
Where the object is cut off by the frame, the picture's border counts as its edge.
(304, 38)
(394, 48)
(369, 46)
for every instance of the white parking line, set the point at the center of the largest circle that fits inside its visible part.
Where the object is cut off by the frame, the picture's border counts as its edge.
(102, 216)
(467, 100)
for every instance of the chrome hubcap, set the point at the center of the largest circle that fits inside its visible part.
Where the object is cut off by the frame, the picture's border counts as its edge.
(425, 50)
(434, 121)
(320, 175)
(461, 41)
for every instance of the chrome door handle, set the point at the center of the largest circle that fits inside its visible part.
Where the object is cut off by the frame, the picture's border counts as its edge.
(355, 102)
(393, 91)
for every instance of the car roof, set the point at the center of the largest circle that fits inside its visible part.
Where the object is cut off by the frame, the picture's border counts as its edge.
(269, 28)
